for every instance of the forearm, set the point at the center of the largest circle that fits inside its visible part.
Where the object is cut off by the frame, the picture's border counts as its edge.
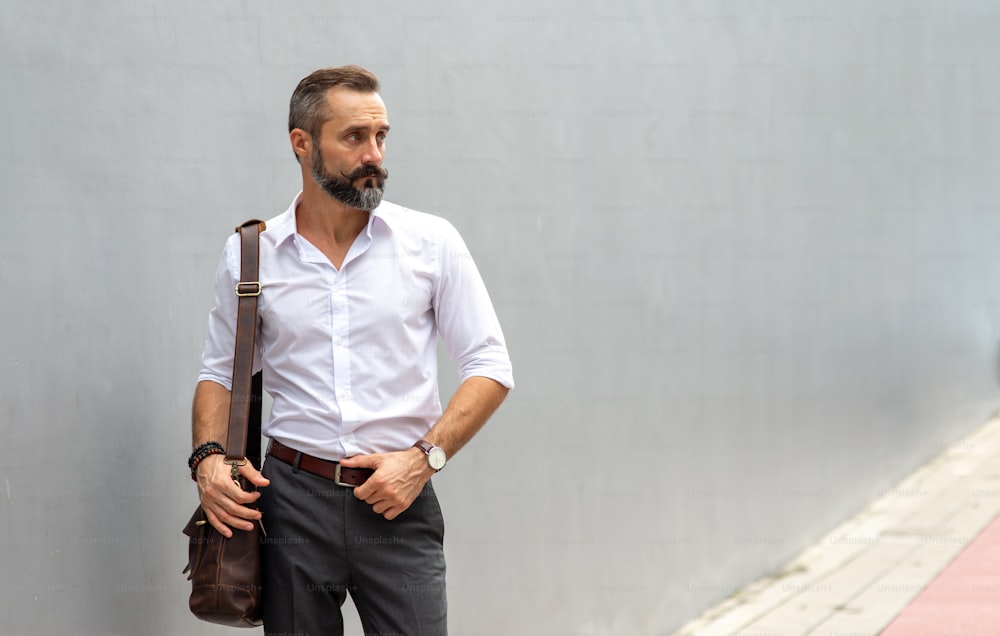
(399, 476)
(476, 399)
(223, 500)
(210, 413)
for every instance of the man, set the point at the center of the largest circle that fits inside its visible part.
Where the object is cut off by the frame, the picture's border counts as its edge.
(355, 292)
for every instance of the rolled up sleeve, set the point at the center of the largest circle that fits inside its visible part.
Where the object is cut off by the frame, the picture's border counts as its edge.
(466, 319)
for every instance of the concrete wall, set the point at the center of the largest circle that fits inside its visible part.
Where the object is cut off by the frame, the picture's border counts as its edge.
(746, 256)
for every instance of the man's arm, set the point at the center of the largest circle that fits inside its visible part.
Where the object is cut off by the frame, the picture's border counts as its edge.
(400, 476)
(473, 403)
(468, 325)
(221, 498)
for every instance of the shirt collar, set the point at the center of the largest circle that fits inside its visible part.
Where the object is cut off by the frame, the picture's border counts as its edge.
(285, 225)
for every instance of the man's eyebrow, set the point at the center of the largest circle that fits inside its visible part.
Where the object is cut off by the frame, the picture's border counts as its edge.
(362, 128)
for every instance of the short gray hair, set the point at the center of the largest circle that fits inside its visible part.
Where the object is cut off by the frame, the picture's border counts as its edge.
(309, 108)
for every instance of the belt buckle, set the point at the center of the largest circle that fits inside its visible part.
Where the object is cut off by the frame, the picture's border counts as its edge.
(336, 477)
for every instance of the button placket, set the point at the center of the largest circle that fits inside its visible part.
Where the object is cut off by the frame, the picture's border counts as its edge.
(340, 324)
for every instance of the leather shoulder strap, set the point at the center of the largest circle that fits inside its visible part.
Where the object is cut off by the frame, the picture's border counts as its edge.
(246, 386)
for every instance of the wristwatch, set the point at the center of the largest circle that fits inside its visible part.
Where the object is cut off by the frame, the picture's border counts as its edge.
(436, 457)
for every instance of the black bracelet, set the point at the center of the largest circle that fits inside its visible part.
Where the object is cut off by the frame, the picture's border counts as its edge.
(200, 453)
(194, 467)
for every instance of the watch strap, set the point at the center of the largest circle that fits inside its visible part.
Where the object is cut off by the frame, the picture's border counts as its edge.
(424, 445)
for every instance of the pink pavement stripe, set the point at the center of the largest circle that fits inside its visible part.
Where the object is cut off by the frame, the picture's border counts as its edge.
(963, 599)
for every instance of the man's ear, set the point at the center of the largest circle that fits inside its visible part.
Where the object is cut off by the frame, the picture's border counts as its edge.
(301, 144)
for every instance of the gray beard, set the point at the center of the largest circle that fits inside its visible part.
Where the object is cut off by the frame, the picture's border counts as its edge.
(367, 198)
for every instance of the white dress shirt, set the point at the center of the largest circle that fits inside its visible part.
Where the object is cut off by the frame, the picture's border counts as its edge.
(349, 355)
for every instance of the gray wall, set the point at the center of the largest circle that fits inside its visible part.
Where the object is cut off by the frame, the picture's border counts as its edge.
(745, 253)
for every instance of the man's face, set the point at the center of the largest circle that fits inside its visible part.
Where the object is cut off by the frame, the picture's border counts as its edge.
(352, 143)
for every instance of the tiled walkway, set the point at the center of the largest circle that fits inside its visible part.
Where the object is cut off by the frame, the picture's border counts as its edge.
(921, 560)
(963, 599)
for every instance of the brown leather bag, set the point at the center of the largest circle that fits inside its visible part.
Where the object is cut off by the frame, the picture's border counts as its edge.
(225, 573)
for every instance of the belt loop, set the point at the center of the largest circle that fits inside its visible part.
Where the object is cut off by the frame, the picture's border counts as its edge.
(295, 464)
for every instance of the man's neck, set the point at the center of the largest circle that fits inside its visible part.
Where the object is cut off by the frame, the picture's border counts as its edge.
(320, 217)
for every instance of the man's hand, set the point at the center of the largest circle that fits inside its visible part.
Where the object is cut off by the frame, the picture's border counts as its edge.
(398, 479)
(222, 499)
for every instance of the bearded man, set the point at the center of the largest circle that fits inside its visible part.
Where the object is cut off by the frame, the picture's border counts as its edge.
(355, 291)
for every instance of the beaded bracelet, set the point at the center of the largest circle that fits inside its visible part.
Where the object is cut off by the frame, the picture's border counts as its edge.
(200, 453)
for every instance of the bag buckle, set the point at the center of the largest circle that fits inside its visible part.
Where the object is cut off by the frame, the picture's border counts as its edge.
(236, 463)
(248, 288)
(336, 477)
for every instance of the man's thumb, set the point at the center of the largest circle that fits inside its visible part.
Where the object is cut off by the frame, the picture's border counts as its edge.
(359, 461)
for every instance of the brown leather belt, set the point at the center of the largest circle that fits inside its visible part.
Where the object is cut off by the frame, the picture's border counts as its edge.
(340, 475)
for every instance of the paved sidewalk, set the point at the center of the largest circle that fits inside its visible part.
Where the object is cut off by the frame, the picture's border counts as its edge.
(924, 557)
(963, 599)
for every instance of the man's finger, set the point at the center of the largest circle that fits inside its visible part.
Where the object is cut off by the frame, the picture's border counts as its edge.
(367, 491)
(233, 515)
(363, 491)
(219, 526)
(253, 475)
(238, 511)
(361, 461)
(227, 489)
(226, 503)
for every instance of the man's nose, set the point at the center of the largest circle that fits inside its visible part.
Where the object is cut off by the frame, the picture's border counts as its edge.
(373, 154)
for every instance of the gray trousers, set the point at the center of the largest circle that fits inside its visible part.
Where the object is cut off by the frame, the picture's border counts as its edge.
(322, 543)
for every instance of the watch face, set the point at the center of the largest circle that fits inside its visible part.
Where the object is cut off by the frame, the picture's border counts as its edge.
(436, 458)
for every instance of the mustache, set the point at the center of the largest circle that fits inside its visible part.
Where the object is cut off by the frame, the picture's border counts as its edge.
(368, 171)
